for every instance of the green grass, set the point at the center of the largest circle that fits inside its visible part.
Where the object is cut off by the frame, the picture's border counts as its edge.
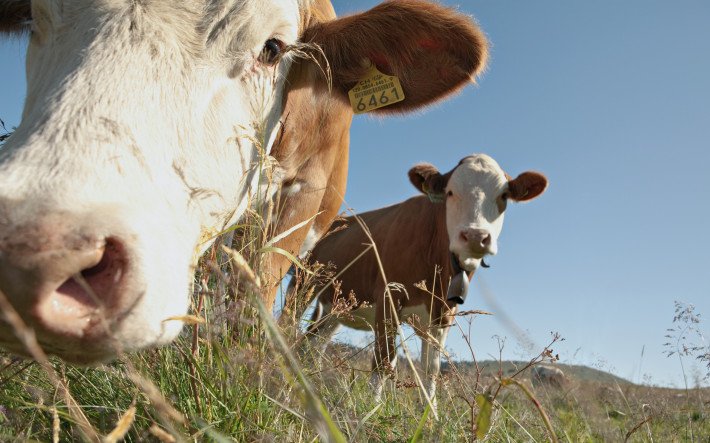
(236, 386)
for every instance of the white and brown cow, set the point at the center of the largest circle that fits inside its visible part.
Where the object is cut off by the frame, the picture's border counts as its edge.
(144, 131)
(439, 238)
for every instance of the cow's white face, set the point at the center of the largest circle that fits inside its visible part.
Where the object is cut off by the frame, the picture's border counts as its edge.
(475, 205)
(143, 133)
(476, 193)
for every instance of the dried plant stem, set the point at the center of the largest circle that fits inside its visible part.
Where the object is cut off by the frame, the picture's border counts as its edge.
(195, 345)
(636, 428)
(55, 425)
(28, 339)
(536, 402)
(315, 410)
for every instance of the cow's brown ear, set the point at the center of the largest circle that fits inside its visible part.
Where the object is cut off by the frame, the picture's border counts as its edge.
(432, 49)
(15, 16)
(428, 180)
(527, 186)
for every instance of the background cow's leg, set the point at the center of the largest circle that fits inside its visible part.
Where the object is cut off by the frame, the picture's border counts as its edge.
(385, 358)
(321, 330)
(431, 359)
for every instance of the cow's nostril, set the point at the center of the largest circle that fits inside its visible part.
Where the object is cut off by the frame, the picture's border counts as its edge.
(100, 278)
(464, 237)
(102, 265)
(486, 241)
(112, 258)
(88, 291)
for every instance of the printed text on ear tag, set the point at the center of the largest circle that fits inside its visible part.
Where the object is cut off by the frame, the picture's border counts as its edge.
(375, 91)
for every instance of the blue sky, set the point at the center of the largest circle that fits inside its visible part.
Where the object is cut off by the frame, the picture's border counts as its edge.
(612, 101)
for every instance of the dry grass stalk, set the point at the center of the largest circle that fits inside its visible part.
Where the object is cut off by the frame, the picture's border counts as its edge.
(341, 271)
(536, 402)
(28, 339)
(162, 406)
(636, 428)
(122, 426)
(164, 437)
(316, 412)
(291, 230)
(472, 312)
(55, 425)
(314, 53)
(188, 320)
(242, 268)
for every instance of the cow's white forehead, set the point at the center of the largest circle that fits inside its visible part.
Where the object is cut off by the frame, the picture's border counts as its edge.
(194, 23)
(251, 22)
(478, 171)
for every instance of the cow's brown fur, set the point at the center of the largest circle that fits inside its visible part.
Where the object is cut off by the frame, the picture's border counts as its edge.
(432, 49)
(411, 248)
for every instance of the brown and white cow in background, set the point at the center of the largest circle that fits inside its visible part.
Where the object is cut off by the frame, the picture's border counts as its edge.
(140, 139)
(452, 228)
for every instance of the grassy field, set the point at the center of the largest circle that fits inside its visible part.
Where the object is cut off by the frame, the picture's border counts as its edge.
(237, 388)
(233, 378)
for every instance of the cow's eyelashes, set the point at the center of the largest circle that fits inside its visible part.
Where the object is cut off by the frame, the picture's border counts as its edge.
(271, 52)
(37, 32)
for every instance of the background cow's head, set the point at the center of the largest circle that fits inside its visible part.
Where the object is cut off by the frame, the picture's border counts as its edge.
(144, 132)
(476, 193)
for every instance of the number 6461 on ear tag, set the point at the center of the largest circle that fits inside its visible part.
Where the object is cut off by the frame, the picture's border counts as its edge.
(375, 91)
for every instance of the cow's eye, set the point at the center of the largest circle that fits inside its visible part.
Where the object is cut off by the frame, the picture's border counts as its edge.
(449, 194)
(271, 53)
(504, 196)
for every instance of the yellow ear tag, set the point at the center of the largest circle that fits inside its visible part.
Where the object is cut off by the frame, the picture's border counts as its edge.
(375, 91)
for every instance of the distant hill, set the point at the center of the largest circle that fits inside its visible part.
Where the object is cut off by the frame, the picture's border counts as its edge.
(490, 368)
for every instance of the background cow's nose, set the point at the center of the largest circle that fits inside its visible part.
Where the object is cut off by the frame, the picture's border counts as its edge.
(477, 240)
(59, 283)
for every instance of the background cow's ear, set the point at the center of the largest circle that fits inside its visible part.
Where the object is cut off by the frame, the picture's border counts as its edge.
(428, 180)
(15, 16)
(527, 186)
(432, 49)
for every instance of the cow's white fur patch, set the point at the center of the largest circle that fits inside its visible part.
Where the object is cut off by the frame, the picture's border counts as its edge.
(309, 243)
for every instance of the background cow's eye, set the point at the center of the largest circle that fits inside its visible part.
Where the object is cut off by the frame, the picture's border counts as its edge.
(271, 52)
